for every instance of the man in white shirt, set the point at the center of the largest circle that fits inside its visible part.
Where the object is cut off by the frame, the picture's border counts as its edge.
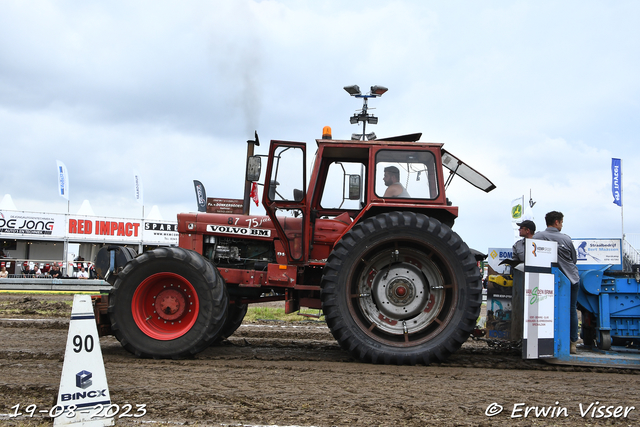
(82, 274)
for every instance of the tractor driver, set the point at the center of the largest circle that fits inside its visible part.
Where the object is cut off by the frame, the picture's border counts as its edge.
(392, 181)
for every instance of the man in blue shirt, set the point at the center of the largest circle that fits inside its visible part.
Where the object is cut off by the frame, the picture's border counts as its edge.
(567, 259)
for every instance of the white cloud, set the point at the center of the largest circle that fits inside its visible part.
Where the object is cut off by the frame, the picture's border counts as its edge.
(535, 95)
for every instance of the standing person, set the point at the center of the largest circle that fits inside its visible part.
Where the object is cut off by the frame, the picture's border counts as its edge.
(527, 230)
(567, 259)
(391, 179)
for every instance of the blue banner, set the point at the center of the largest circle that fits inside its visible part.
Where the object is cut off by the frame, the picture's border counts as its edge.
(63, 180)
(616, 181)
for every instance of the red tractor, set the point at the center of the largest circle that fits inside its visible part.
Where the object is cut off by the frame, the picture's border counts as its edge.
(395, 283)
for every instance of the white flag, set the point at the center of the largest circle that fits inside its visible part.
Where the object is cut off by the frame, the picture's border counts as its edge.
(138, 194)
(517, 209)
(517, 215)
(63, 179)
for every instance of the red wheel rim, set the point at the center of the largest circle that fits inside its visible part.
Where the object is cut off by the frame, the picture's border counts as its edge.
(165, 306)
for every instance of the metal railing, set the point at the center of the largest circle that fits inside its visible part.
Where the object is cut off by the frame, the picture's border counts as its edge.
(73, 285)
(633, 239)
(630, 255)
(69, 268)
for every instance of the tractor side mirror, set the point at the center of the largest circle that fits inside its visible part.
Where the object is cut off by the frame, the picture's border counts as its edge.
(354, 187)
(254, 166)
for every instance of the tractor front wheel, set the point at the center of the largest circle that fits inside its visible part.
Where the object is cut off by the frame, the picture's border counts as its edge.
(168, 303)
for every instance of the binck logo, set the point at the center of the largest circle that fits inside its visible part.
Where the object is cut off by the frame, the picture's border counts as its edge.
(83, 379)
(81, 395)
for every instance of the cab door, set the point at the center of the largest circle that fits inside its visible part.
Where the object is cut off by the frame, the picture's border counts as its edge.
(285, 196)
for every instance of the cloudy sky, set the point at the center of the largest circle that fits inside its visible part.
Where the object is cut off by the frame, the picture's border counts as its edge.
(536, 95)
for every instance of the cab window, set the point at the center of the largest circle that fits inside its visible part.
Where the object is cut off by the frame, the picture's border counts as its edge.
(343, 188)
(406, 174)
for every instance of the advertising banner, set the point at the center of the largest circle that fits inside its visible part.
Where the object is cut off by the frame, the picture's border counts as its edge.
(517, 209)
(160, 233)
(540, 253)
(230, 206)
(538, 315)
(63, 179)
(96, 229)
(499, 294)
(496, 256)
(14, 224)
(138, 189)
(598, 251)
(78, 228)
(517, 215)
(616, 181)
(201, 196)
(539, 299)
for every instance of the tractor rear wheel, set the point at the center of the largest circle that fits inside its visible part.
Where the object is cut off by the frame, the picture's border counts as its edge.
(168, 303)
(401, 288)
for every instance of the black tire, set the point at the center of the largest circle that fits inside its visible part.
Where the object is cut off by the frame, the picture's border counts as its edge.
(168, 303)
(605, 340)
(401, 288)
(235, 316)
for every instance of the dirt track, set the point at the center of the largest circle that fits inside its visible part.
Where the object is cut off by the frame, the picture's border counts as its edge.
(272, 374)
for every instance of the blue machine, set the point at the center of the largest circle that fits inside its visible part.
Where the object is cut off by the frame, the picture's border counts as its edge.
(609, 300)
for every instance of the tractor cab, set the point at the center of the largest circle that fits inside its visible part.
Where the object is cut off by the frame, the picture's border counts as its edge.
(353, 180)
